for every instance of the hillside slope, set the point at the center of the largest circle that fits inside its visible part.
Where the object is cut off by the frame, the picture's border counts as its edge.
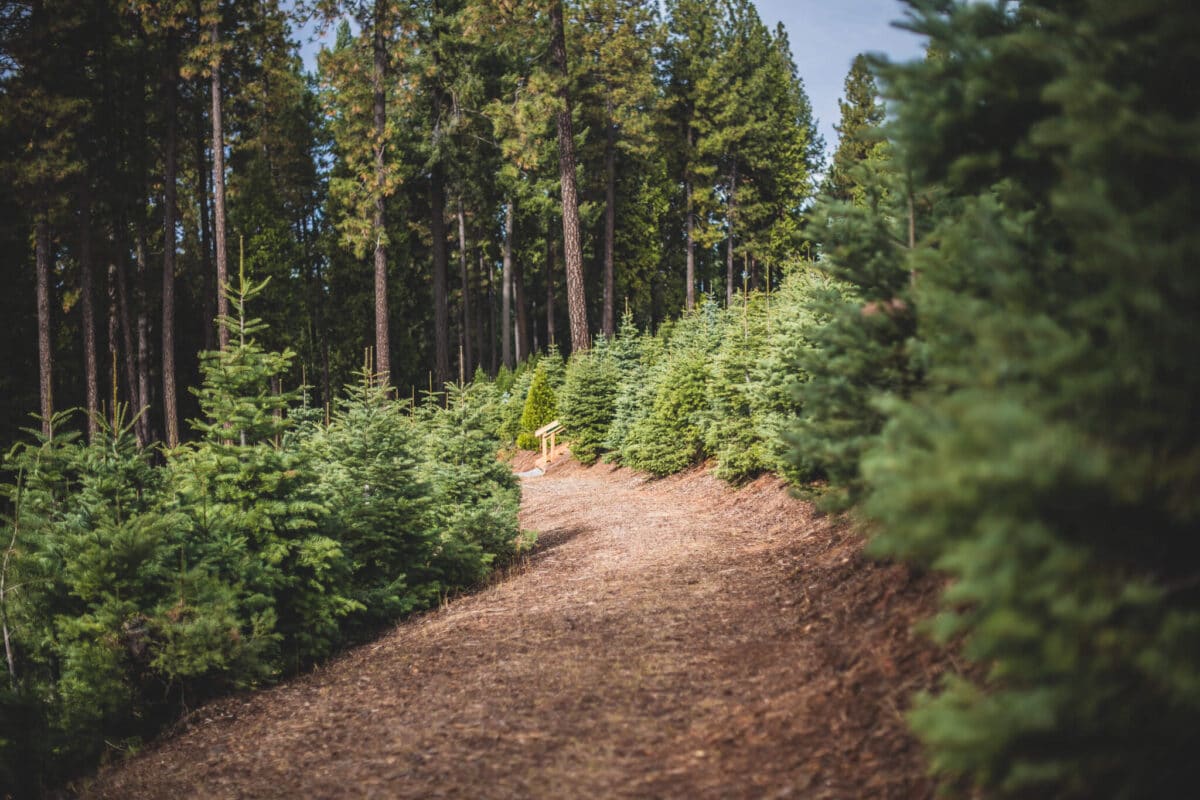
(669, 638)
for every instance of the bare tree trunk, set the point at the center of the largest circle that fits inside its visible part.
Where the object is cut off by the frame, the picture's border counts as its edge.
(87, 309)
(551, 265)
(506, 289)
(489, 284)
(170, 406)
(117, 274)
(378, 77)
(572, 249)
(45, 351)
(114, 338)
(522, 327)
(608, 323)
(729, 243)
(469, 363)
(690, 297)
(480, 297)
(208, 306)
(218, 151)
(143, 330)
(441, 295)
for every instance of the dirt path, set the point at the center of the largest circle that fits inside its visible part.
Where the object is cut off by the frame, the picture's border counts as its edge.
(667, 639)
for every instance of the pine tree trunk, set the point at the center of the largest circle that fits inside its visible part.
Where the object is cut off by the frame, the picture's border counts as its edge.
(493, 351)
(572, 249)
(522, 314)
(378, 76)
(608, 323)
(469, 354)
(480, 338)
(551, 266)
(208, 306)
(729, 242)
(441, 298)
(129, 362)
(143, 330)
(45, 351)
(690, 296)
(114, 334)
(87, 309)
(218, 151)
(170, 406)
(506, 290)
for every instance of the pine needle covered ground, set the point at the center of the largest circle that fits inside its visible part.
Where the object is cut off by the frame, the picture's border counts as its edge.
(667, 638)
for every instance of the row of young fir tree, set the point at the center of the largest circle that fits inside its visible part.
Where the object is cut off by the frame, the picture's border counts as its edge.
(992, 365)
(136, 583)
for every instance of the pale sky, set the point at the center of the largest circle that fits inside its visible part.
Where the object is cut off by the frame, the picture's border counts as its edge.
(825, 36)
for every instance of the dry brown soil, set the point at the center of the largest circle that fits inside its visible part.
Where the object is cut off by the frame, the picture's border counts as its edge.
(667, 638)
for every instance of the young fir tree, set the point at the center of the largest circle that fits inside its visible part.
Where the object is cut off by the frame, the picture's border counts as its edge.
(588, 400)
(1051, 466)
(255, 514)
(795, 315)
(732, 429)
(626, 351)
(860, 339)
(368, 468)
(474, 496)
(106, 623)
(540, 405)
(669, 436)
(513, 404)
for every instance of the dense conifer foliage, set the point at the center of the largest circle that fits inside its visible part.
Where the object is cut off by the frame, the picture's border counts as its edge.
(1050, 465)
(135, 584)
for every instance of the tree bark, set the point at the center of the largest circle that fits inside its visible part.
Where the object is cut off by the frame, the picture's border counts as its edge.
(572, 249)
(608, 322)
(480, 298)
(218, 150)
(170, 406)
(441, 299)
(522, 324)
(490, 338)
(45, 351)
(208, 306)
(690, 297)
(551, 264)
(506, 290)
(143, 330)
(378, 77)
(733, 176)
(114, 340)
(87, 309)
(469, 357)
(129, 369)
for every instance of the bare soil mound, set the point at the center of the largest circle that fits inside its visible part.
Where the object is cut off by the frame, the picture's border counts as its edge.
(667, 638)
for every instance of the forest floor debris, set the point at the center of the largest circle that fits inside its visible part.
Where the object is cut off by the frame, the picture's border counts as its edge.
(666, 638)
